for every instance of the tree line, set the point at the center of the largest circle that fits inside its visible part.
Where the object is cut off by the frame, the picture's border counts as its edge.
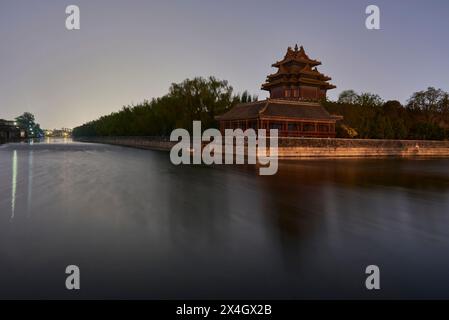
(365, 115)
(425, 116)
(193, 99)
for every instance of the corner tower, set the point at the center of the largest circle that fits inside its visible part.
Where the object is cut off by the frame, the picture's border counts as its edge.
(297, 78)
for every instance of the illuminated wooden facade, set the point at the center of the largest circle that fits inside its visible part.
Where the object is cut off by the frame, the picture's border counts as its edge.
(293, 108)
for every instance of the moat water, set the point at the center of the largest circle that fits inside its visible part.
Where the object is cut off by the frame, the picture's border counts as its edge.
(139, 227)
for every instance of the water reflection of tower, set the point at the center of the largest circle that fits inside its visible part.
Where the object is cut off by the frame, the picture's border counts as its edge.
(295, 208)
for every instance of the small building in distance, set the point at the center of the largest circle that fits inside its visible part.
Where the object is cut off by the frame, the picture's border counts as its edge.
(293, 107)
(10, 131)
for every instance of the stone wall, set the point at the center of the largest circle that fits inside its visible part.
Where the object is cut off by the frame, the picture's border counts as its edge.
(153, 143)
(322, 147)
(311, 147)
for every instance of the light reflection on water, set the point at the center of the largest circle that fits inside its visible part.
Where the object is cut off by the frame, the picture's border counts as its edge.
(30, 181)
(139, 227)
(14, 183)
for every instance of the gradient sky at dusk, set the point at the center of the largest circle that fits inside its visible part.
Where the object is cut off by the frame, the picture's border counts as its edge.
(128, 51)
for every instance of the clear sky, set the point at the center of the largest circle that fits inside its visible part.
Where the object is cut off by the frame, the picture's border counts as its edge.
(131, 50)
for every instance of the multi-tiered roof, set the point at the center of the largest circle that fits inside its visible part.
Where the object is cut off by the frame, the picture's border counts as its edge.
(297, 77)
(294, 107)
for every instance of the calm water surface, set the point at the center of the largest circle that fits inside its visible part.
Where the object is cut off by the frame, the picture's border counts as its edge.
(140, 227)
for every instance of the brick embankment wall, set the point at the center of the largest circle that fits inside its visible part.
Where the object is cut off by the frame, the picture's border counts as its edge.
(311, 147)
(151, 143)
(322, 147)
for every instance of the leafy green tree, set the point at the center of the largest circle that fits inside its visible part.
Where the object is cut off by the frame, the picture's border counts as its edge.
(348, 97)
(369, 100)
(429, 103)
(27, 122)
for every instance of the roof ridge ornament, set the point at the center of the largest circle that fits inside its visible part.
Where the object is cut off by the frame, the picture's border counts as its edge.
(302, 52)
(290, 53)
